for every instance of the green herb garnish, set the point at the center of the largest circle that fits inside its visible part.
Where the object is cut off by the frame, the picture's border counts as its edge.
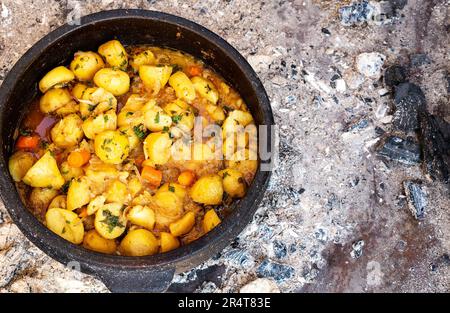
(112, 221)
(140, 131)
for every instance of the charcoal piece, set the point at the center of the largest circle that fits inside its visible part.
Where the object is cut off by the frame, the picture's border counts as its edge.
(395, 75)
(398, 4)
(277, 271)
(420, 59)
(405, 151)
(435, 137)
(357, 124)
(279, 249)
(356, 13)
(197, 277)
(409, 101)
(240, 258)
(416, 198)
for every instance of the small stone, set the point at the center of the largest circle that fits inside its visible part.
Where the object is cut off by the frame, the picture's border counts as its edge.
(420, 59)
(326, 31)
(277, 271)
(416, 197)
(401, 150)
(356, 13)
(357, 249)
(260, 285)
(370, 64)
(279, 249)
(395, 75)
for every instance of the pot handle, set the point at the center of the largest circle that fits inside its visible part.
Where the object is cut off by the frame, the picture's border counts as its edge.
(136, 280)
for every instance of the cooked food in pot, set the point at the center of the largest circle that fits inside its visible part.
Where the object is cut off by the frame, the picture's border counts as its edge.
(134, 150)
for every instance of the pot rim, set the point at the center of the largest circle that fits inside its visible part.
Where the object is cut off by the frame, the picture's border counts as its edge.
(204, 247)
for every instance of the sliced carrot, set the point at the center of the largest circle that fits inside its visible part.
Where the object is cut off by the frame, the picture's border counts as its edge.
(78, 158)
(186, 178)
(139, 159)
(27, 142)
(152, 175)
(83, 213)
(194, 70)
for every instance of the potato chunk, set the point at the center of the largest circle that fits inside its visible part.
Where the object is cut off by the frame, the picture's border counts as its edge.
(66, 224)
(183, 225)
(183, 86)
(114, 54)
(210, 220)
(117, 192)
(93, 241)
(44, 173)
(205, 89)
(86, 64)
(245, 161)
(19, 164)
(111, 147)
(102, 122)
(54, 99)
(157, 148)
(67, 132)
(168, 206)
(168, 242)
(156, 119)
(155, 77)
(139, 242)
(110, 222)
(142, 216)
(233, 182)
(69, 172)
(145, 57)
(208, 190)
(58, 202)
(115, 81)
(56, 77)
(40, 198)
(79, 193)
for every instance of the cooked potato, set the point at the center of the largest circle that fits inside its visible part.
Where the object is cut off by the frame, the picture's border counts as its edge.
(93, 241)
(58, 202)
(117, 192)
(183, 86)
(86, 64)
(111, 147)
(178, 189)
(110, 222)
(168, 242)
(102, 100)
(183, 225)
(215, 112)
(155, 77)
(115, 81)
(114, 54)
(133, 139)
(168, 207)
(67, 132)
(40, 198)
(139, 242)
(157, 148)
(134, 186)
(233, 182)
(129, 118)
(69, 108)
(142, 216)
(95, 204)
(102, 122)
(100, 174)
(54, 99)
(44, 173)
(66, 224)
(79, 193)
(210, 220)
(245, 161)
(19, 164)
(176, 107)
(135, 102)
(205, 89)
(145, 57)
(202, 152)
(208, 190)
(156, 119)
(79, 91)
(69, 172)
(57, 77)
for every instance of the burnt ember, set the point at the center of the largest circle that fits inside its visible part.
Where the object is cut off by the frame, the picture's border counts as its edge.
(395, 75)
(435, 136)
(416, 198)
(405, 151)
(409, 101)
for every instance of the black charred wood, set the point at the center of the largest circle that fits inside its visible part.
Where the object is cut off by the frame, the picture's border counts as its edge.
(405, 151)
(409, 102)
(416, 197)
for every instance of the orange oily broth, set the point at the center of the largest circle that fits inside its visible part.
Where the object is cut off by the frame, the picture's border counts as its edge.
(41, 124)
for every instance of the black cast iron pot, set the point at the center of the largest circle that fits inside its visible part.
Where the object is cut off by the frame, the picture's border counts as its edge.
(119, 273)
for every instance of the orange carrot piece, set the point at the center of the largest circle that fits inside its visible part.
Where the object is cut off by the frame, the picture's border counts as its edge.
(27, 142)
(78, 158)
(152, 175)
(194, 70)
(83, 213)
(186, 178)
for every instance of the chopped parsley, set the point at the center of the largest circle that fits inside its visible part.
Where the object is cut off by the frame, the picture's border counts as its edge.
(91, 107)
(63, 230)
(112, 221)
(177, 118)
(157, 118)
(225, 174)
(171, 188)
(140, 131)
(129, 114)
(65, 187)
(105, 117)
(165, 129)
